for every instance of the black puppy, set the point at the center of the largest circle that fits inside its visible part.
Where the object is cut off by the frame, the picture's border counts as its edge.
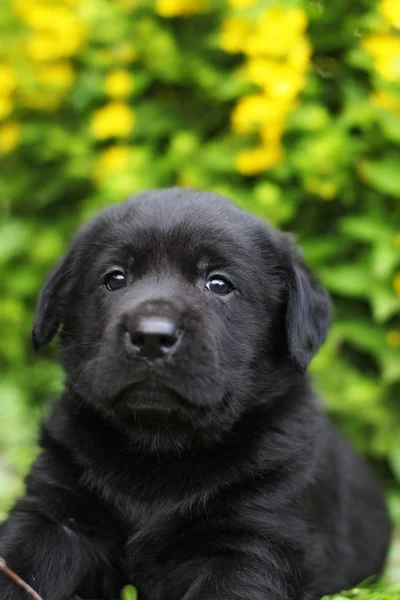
(188, 454)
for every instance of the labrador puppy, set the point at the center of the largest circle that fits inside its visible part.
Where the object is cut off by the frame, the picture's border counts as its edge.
(189, 455)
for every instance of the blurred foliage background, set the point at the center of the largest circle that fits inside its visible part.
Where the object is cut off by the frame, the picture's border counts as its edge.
(290, 108)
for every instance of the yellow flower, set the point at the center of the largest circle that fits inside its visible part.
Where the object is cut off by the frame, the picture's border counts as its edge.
(235, 31)
(397, 241)
(278, 30)
(276, 78)
(7, 80)
(177, 8)
(56, 30)
(393, 338)
(46, 46)
(116, 119)
(271, 133)
(396, 283)
(118, 84)
(51, 17)
(390, 10)
(299, 55)
(389, 67)
(385, 50)
(42, 15)
(5, 107)
(238, 4)
(40, 47)
(378, 44)
(386, 100)
(59, 75)
(9, 136)
(255, 110)
(256, 160)
(112, 160)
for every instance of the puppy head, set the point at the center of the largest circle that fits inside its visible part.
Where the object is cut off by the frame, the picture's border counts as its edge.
(178, 307)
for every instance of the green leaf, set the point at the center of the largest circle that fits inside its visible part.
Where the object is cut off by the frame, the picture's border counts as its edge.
(318, 251)
(14, 236)
(384, 303)
(367, 228)
(390, 123)
(308, 117)
(362, 334)
(349, 280)
(390, 360)
(383, 174)
(384, 259)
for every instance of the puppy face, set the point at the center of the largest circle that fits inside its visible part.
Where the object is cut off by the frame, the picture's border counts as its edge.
(177, 308)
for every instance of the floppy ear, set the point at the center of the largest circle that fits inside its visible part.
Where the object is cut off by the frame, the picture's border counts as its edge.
(308, 313)
(51, 303)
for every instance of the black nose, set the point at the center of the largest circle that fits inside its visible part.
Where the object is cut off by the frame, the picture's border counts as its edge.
(154, 337)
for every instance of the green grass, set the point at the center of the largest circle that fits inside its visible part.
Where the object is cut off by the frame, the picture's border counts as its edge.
(380, 591)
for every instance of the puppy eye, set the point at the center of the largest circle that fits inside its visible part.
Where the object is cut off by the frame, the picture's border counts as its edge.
(115, 280)
(219, 285)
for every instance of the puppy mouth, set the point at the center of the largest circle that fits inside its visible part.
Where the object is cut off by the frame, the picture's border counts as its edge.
(151, 397)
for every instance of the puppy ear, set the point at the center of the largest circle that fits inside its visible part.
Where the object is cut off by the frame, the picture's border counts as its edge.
(308, 313)
(51, 303)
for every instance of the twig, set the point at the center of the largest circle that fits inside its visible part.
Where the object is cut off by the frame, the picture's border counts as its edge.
(14, 577)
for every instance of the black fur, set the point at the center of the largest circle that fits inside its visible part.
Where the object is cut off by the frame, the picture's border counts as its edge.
(211, 474)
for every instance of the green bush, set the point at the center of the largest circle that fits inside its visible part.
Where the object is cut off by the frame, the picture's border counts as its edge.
(291, 108)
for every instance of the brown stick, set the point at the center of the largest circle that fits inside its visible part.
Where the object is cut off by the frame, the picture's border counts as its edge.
(14, 577)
